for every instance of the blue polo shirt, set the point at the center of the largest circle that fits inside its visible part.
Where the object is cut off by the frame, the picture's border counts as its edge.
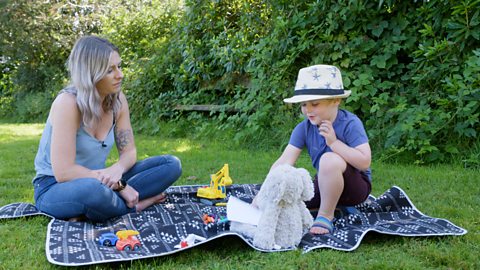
(348, 128)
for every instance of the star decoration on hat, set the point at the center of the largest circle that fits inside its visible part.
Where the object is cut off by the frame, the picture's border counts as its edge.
(334, 72)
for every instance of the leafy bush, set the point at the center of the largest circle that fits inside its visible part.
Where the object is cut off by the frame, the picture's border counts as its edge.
(33, 107)
(412, 66)
(143, 31)
(35, 41)
(6, 89)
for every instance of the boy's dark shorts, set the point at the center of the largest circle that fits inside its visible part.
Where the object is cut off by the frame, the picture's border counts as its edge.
(356, 189)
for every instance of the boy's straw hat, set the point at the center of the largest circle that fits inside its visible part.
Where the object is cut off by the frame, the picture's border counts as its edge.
(318, 82)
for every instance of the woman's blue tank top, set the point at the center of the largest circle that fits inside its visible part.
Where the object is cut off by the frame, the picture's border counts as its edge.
(90, 152)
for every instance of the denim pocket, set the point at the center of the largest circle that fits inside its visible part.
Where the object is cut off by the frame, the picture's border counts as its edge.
(41, 184)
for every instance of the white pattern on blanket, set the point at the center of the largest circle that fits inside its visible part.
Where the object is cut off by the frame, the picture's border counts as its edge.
(163, 226)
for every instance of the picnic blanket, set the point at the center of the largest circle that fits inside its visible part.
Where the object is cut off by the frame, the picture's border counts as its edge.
(163, 226)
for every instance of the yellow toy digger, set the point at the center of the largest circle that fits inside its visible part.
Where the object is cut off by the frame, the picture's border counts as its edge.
(124, 234)
(218, 181)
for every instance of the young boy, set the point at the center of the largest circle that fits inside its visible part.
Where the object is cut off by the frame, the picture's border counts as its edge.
(335, 140)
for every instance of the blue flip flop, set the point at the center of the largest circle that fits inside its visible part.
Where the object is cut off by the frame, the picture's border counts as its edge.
(323, 222)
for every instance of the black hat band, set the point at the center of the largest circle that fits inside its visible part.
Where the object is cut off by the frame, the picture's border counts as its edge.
(325, 92)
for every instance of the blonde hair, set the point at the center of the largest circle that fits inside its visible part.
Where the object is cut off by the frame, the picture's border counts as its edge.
(333, 100)
(326, 100)
(87, 64)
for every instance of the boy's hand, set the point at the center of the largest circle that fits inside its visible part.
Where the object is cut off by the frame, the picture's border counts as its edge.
(326, 130)
(254, 202)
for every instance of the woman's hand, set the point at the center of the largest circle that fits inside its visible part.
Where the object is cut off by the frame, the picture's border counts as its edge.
(130, 195)
(111, 175)
(326, 130)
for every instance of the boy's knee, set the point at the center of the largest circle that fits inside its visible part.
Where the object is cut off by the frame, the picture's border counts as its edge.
(331, 162)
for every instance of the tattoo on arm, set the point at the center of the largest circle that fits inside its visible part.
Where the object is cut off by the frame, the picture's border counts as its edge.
(123, 137)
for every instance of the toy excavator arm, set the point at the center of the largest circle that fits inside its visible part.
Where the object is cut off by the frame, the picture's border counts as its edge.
(224, 176)
(218, 182)
(126, 233)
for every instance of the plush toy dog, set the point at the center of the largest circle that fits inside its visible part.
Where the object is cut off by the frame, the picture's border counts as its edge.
(285, 218)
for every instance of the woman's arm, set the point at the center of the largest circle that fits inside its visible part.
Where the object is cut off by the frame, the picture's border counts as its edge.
(124, 137)
(65, 120)
(125, 145)
(127, 152)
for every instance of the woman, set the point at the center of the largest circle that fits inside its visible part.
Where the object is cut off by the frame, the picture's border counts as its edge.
(85, 120)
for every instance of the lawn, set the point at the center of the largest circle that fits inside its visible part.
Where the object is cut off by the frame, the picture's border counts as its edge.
(444, 191)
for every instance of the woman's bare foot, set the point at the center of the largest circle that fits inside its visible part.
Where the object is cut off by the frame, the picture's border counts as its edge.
(77, 219)
(143, 204)
(163, 198)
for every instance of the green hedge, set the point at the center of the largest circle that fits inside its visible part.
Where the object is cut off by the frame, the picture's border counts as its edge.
(412, 67)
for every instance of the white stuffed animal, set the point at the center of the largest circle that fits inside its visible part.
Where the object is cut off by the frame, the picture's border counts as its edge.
(285, 218)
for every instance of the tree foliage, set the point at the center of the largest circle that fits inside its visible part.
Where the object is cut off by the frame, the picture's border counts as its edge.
(412, 65)
(35, 40)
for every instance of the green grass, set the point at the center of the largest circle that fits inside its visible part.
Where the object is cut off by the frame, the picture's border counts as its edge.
(444, 191)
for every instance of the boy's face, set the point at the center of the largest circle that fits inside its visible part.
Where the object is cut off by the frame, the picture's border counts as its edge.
(319, 110)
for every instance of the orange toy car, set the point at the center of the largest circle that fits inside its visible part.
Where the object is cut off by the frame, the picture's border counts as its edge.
(127, 240)
(129, 243)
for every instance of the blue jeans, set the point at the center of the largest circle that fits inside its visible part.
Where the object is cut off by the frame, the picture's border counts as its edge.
(89, 197)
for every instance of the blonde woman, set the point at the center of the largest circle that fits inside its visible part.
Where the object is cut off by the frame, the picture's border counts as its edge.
(86, 119)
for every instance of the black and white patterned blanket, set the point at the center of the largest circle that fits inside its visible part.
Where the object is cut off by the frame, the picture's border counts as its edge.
(163, 226)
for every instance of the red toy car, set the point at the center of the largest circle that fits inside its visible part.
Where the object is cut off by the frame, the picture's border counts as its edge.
(129, 243)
